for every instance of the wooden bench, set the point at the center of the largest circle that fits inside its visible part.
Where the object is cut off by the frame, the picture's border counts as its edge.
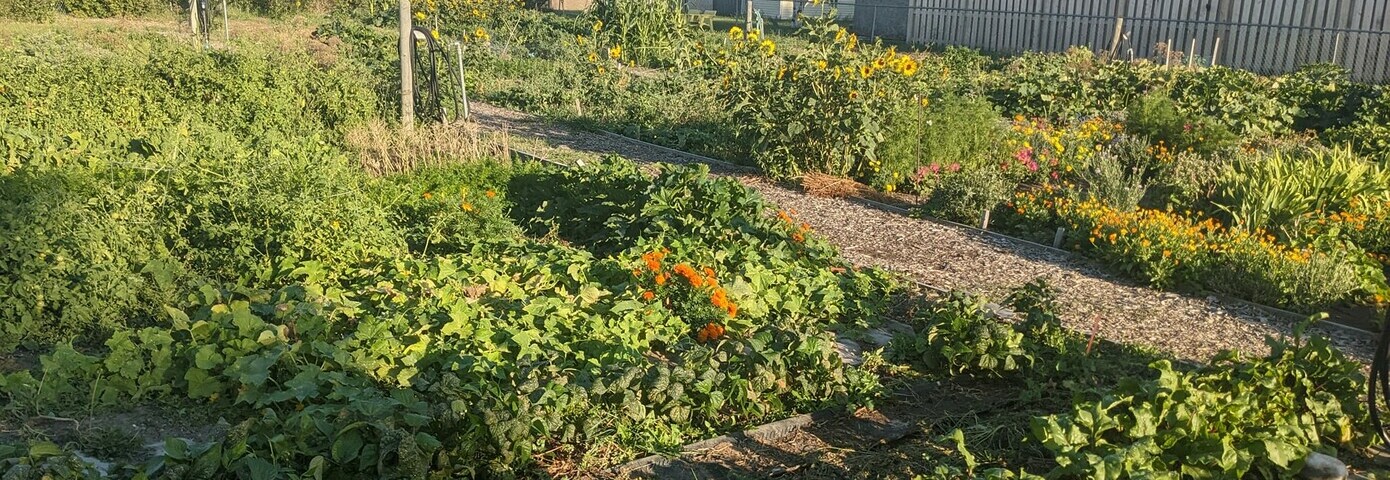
(701, 18)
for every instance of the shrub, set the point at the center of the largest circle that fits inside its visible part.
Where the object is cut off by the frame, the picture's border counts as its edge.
(1157, 117)
(1115, 177)
(957, 131)
(1119, 84)
(241, 214)
(964, 197)
(27, 10)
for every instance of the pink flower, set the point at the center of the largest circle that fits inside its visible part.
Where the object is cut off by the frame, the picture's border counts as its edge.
(953, 168)
(1054, 175)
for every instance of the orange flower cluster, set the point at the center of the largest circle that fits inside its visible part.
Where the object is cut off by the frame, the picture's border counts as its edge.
(721, 301)
(653, 259)
(693, 277)
(710, 332)
(702, 278)
(799, 232)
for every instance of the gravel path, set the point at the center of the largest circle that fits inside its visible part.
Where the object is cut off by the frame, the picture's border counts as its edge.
(944, 256)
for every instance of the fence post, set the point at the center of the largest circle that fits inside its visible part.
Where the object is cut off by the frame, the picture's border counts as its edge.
(407, 46)
(748, 16)
(1119, 28)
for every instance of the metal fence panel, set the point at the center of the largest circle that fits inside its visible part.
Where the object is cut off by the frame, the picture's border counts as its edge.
(1266, 36)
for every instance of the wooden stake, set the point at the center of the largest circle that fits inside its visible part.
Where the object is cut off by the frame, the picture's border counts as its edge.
(1192, 54)
(1057, 240)
(1215, 51)
(984, 223)
(407, 47)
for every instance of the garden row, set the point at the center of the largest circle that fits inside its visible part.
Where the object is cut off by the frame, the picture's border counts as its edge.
(193, 232)
(1280, 175)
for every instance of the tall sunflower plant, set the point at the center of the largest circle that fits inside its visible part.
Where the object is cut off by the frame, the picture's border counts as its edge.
(823, 108)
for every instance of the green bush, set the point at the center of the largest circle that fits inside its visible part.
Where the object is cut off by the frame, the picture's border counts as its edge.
(960, 131)
(1116, 176)
(449, 209)
(1369, 132)
(1119, 84)
(1241, 100)
(81, 257)
(964, 196)
(27, 10)
(1323, 96)
(1051, 86)
(110, 8)
(257, 93)
(1159, 118)
(959, 336)
(241, 213)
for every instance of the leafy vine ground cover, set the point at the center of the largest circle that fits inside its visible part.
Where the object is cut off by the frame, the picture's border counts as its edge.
(962, 133)
(212, 245)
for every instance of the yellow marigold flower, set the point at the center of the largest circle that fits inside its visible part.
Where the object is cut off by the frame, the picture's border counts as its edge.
(821, 64)
(420, 16)
(616, 52)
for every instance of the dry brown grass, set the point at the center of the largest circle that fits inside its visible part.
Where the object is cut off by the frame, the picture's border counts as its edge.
(822, 185)
(386, 149)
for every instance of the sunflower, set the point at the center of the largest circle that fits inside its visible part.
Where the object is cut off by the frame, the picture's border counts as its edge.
(736, 33)
(866, 71)
(910, 67)
(768, 47)
(616, 52)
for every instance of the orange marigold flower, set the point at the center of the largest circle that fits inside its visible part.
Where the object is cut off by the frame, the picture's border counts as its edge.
(648, 295)
(491, 194)
(467, 207)
(798, 237)
(428, 195)
(710, 332)
(660, 279)
(709, 272)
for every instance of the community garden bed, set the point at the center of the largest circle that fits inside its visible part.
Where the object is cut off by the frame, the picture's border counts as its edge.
(230, 262)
